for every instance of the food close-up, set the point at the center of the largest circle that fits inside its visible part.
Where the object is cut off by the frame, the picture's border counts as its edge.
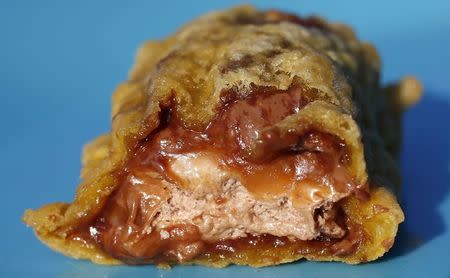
(251, 137)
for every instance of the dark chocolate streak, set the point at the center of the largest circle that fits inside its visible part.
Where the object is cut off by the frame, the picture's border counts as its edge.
(233, 135)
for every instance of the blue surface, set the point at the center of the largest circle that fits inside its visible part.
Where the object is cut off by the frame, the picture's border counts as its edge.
(60, 61)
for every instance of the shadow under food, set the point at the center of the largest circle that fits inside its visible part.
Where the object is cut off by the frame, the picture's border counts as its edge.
(426, 173)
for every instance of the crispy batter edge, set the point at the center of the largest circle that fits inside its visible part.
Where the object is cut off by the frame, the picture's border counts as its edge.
(131, 109)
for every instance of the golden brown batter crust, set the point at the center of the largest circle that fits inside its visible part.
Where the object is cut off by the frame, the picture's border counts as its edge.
(232, 51)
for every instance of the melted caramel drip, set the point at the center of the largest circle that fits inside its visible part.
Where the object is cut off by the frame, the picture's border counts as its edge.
(307, 169)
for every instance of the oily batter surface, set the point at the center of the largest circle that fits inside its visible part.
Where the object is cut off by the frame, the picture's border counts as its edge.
(247, 137)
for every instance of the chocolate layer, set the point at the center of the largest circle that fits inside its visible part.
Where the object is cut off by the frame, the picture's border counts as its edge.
(187, 189)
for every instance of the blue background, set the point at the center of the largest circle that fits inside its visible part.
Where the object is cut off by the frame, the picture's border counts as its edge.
(61, 60)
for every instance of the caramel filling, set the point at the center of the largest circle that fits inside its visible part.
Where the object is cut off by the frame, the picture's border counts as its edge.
(187, 193)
